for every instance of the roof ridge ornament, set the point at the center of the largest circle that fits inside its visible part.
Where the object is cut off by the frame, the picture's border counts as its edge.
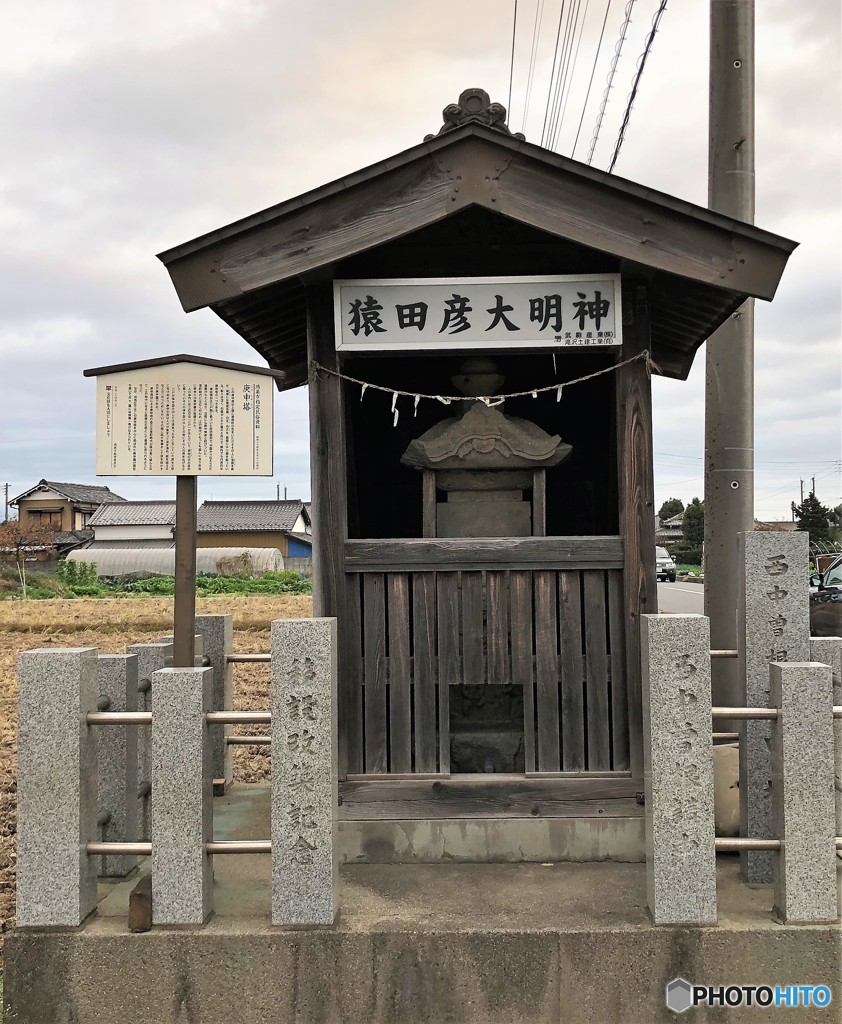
(474, 105)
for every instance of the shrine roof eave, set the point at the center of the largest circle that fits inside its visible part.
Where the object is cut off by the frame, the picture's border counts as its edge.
(700, 263)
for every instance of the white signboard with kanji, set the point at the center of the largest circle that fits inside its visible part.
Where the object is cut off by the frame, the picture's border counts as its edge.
(184, 419)
(450, 314)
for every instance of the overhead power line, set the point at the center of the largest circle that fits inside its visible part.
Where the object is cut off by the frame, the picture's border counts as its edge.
(552, 74)
(536, 32)
(618, 49)
(564, 77)
(590, 82)
(641, 65)
(512, 65)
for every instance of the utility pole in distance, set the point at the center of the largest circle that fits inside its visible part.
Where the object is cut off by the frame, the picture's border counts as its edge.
(729, 383)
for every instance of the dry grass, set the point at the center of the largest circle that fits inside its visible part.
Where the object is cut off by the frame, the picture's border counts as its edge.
(155, 613)
(29, 624)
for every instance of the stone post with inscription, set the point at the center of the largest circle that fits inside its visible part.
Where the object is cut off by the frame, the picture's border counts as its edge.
(678, 769)
(773, 625)
(304, 772)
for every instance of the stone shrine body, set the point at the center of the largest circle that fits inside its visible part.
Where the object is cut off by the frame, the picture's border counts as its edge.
(484, 460)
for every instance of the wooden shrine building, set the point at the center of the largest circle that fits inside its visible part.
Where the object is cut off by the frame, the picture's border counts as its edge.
(488, 563)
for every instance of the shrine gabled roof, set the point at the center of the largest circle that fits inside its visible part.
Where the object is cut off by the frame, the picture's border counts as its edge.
(700, 265)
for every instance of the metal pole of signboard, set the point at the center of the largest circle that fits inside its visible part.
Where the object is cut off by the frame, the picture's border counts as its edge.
(184, 614)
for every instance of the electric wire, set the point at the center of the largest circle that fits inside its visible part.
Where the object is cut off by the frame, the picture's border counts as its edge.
(636, 83)
(512, 64)
(618, 49)
(552, 73)
(590, 83)
(536, 32)
(572, 72)
(564, 65)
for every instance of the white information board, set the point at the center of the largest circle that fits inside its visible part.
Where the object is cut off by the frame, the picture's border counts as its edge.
(184, 419)
(449, 314)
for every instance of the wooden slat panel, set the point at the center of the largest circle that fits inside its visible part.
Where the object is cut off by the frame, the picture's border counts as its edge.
(473, 654)
(350, 696)
(546, 671)
(374, 638)
(497, 628)
(619, 700)
(465, 797)
(424, 677)
(520, 588)
(400, 690)
(572, 672)
(637, 520)
(421, 554)
(450, 669)
(596, 664)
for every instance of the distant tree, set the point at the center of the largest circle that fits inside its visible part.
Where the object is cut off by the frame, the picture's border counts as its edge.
(693, 523)
(16, 539)
(812, 516)
(834, 520)
(671, 507)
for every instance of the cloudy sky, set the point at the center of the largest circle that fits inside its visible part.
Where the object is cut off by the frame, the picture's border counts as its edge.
(131, 127)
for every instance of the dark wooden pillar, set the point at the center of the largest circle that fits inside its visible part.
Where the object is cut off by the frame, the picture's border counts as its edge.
(330, 515)
(636, 493)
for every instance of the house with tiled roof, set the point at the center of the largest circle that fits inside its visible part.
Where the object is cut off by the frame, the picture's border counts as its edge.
(67, 508)
(135, 524)
(284, 525)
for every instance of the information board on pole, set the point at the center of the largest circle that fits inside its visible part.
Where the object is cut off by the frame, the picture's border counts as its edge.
(193, 418)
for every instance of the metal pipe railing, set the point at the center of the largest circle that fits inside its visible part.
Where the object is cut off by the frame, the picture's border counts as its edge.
(248, 741)
(744, 713)
(145, 717)
(248, 659)
(734, 845)
(119, 718)
(240, 717)
(724, 654)
(240, 846)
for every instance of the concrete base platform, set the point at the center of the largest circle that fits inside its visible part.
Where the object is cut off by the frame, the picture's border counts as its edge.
(428, 943)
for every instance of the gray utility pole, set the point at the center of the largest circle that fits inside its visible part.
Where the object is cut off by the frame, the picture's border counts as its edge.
(729, 386)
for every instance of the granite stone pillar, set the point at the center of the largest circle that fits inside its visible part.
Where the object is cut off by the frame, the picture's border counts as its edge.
(182, 812)
(678, 769)
(217, 633)
(116, 751)
(773, 625)
(56, 789)
(802, 787)
(304, 772)
(150, 659)
(827, 650)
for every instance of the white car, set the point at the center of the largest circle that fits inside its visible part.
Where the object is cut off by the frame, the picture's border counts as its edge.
(664, 565)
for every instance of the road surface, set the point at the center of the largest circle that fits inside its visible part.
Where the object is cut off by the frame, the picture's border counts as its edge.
(683, 598)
